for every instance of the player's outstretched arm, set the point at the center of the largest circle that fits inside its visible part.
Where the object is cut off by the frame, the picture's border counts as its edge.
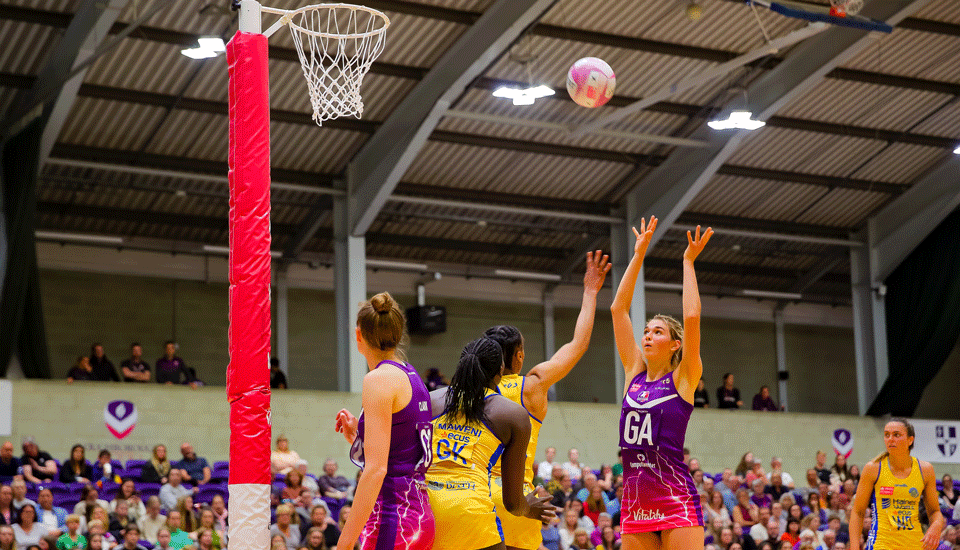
(620, 308)
(932, 501)
(860, 502)
(554, 369)
(691, 367)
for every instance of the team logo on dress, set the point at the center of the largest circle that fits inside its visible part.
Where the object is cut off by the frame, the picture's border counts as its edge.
(644, 395)
(884, 503)
(843, 442)
(634, 388)
(120, 418)
(914, 492)
(947, 440)
(886, 490)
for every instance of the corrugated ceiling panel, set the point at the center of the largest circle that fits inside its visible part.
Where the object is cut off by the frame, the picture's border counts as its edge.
(192, 134)
(25, 60)
(478, 6)
(148, 66)
(946, 123)
(902, 163)
(191, 16)
(753, 198)
(843, 208)
(808, 152)
(912, 53)
(69, 6)
(418, 41)
(941, 10)
(312, 149)
(110, 124)
(724, 26)
(508, 171)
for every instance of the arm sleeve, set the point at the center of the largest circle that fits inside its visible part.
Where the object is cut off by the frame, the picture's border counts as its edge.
(112, 371)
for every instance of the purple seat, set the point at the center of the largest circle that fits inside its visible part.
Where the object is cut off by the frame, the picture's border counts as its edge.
(221, 465)
(219, 477)
(57, 488)
(207, 492)
(148, 490)
(717, 478)
(335, 504)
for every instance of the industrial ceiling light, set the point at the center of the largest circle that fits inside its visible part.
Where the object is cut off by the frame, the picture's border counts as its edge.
(523, 96)
(740, 120)
(956, 151)
(209, 46)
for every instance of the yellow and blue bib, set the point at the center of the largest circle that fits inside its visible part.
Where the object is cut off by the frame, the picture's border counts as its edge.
(895, 506)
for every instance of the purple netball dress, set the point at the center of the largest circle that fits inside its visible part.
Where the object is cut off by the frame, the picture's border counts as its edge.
(401, 517)
(658, 492)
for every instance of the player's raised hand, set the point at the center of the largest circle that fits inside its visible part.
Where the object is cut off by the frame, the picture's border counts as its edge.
(644, 235)
(696, 244)
(598, 265)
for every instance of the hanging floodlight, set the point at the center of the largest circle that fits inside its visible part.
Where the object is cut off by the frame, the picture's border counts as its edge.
(740, 120)
(209, 46)
(523, 96)
(956, 151)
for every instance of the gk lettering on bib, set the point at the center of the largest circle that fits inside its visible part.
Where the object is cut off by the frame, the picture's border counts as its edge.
(640, 428)
(454, 442)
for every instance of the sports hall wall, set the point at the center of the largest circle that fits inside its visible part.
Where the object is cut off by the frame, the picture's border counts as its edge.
(61, 415)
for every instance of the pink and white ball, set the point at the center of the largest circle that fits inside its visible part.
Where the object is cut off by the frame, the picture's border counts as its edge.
(591, 82)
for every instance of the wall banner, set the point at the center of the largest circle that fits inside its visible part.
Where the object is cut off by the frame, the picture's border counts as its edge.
(937, 441)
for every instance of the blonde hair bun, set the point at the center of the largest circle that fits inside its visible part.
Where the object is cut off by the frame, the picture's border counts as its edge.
(382, 303)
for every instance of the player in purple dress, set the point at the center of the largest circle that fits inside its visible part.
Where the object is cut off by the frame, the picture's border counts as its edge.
(661, 507)
(390, 442)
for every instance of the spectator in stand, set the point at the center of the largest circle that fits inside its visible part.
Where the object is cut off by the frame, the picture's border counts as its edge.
(135, 369)
(701, 397)
(54, 517)
(595, 504)
(38, 466)
(9, 464)
(188, 517)
(219, 508)
(283, 459)
(813, 484)
(98, 513)
(320, 519)
(76, 469)
(729, 485)
(194, 469)
(716, 508)
(72, 539)
(128, 493)
(96, 542)
(286, 527)
(948, 495)
(776, 466)
(178, 537)
(564, 493)
(28, 530)
(756, 473)
(205, 539)
(613, 507)
(550, 535)
(151, 522)
(829, 539)
(163, 539)
(208, 522)
(89, 497)
(294, 487)
(131, 539)
(545, 468)
(308, 482)
(81, 370)
(769, 529)
(103, 369)
(589, 482)
(746, 512)
(572, 466)
(157, 469)
(745, 464)
(604, 521)
(332, 485)
(8, 513)
(435, 380)
(584, 521)
(728, 397)
(763, 402)
(821, 467)
(839, 472)
(847, 493)
(172, 370)
(19, 488)
(758, 495)
(103, 468)
(7, 540)
(581, 540)
(776, 489)
(569, 524)
(312, 540)
(610, 539)
(792, 535)
(855, 474)
(120, 520)
(173, 490)
(278, 380)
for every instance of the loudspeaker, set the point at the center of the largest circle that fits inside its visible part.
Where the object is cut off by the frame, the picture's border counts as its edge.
(427, 319)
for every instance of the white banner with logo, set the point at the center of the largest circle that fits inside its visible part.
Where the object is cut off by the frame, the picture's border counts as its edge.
(937, 441)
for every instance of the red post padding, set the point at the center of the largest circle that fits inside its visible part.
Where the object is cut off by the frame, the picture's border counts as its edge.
(248, 375)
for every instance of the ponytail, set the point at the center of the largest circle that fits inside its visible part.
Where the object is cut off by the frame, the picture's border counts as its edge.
(480, 362)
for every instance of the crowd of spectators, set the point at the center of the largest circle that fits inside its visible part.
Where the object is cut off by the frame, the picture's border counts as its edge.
(156, 503)
(747, 507)
(728, 397)
(170, 368)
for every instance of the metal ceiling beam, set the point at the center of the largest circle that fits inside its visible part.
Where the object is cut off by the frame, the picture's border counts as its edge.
(669, 188)
(812, 179)
(377, 168)
(903, 224)
(738, 222)
(820, 269)
(751, 270)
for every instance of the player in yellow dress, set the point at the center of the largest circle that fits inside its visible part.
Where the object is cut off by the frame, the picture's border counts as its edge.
(530, 391)
(475, 426)
(892, 485)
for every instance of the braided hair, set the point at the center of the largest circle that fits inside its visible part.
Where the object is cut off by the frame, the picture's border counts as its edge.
(480, 362)
(509, 339)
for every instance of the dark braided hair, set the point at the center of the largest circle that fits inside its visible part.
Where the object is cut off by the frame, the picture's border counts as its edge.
(509, 339)
(480, 362)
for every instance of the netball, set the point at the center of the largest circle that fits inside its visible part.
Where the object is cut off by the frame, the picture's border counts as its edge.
(591, 82)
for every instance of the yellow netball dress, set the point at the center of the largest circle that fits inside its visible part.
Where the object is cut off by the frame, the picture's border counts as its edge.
(896, 510)
(458, 482)
(518, 532)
